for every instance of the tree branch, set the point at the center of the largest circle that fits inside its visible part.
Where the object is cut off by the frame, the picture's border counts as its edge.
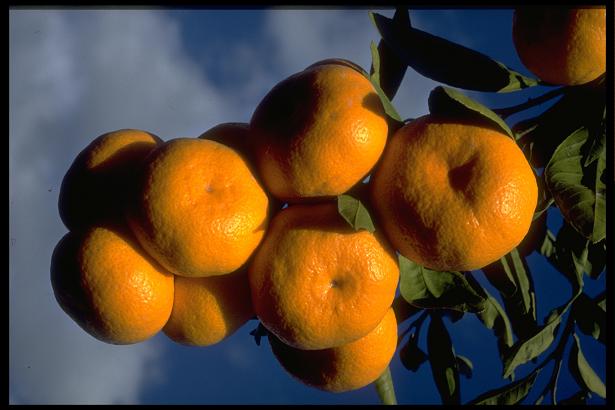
(506, 112)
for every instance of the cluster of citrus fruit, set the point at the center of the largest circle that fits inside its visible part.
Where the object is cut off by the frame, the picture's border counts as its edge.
(195, 236)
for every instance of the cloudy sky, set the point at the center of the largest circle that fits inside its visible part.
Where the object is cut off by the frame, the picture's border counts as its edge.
(76, 74)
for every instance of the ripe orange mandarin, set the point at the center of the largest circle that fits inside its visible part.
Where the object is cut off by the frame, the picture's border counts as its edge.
(316, 282)
(318, 132)
(452, 194)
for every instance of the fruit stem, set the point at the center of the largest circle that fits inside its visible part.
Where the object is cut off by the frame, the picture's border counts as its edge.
(506, 112)
(385, 388)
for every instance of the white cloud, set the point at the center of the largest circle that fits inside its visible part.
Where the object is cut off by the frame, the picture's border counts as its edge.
(302, 37)
(73, 76)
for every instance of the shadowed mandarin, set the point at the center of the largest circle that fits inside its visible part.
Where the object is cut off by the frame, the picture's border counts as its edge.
(561, 45)
(343, 368)
(208, 310)
(110, 287)
(96, 187)
(318, 132)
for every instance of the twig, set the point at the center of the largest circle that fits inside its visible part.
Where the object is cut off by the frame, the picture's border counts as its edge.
(557, 356)
(506, 112)
(385, 388)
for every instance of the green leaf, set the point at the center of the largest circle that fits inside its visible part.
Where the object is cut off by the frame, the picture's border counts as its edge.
(583, 373)
(452, 103)
(411, 356)
(375, 79)
(465, 366)
(353, 211)
(581, 106)
(527, 349)
(547, 249)
(385, 388)
(494, 317)
(579, 193)
(447, 62)
(512, 393)
(599, 232)
(601, 301)
(590, 317)
(571, 255)
(443, 361)
(575, 254)
(545, 200)
(522, 281)
(427, 288)
(596, 259)
(513, 281)
(597, 147)
(391, 68)
(555, 377)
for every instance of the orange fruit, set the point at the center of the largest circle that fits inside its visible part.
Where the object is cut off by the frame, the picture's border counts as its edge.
(208, 310)
(198, 209)
(109, 286)
(561, 45)
(343, 368)
(453, 195)
(236, 135)
(316, 282)
(318, 132)
(95, 188)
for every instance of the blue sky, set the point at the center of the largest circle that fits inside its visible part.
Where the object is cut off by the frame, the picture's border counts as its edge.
(75, 74)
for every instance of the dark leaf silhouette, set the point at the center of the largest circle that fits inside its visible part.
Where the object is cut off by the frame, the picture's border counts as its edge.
(449, 103)
(590, 317)
(443, 361)
(512, 393)
(447, 62)
(392, 69)
(411, 355)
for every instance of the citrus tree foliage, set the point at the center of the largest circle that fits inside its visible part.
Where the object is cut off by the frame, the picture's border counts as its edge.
(566, 146)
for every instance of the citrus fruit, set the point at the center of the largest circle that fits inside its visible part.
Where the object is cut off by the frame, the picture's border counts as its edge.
(452, 194)
(198, 210)
(207, 310)
(318, 132)
(561, 45)
(343, 368)
(95, 187)
(316, 282)
(236, 135)
(109, 286)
